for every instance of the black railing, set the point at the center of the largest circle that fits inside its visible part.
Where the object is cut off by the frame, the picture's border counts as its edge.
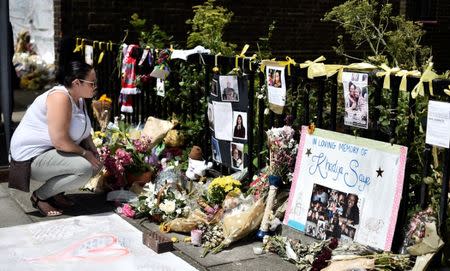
(317, 101)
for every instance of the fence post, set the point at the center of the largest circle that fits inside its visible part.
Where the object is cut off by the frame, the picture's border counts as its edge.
(320, 102)
(250, 121)
(306, 102)
(206, 146)
(260, 136)
(333, 116)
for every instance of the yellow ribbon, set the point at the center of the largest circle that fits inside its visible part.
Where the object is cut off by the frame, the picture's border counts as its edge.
(404, 74)
(387, 75)
(427, 76)
(100, 57)
(332, 69)
(363, 66)
(288, 62)
(241, 55)
(78, 45)
(109, 46)
(315, 69)
(252, 58)
(447, 91)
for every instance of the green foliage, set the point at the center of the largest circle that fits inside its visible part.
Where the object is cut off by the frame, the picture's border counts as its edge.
(391, 39)
(156, 38)
(264, 49)
(207, 28)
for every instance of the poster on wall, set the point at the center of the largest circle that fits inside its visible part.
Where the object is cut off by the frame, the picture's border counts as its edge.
(276, 88)
(346, 187)
(356, 98)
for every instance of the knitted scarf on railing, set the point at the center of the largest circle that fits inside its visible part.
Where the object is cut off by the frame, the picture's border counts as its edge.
(128, 78)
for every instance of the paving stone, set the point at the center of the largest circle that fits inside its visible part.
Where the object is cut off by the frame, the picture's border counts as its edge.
(11, 213)
(265, 262)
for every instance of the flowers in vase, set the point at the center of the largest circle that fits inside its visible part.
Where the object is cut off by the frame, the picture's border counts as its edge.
(283, 150)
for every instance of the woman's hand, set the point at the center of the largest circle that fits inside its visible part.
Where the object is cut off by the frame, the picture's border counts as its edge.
(90, 156)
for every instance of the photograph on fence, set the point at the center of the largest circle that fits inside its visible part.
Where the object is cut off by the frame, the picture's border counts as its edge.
(160, 88)
(239, 125)
(333, 213)
(214, 87)
(356, 99)
(276, 85)
(223, 120)
(216, 150)
(229, 88)
(211, 116)
(338, 175)
(237, 156)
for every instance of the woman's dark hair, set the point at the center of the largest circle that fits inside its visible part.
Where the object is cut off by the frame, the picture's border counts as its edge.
(350, 84)
(74, 70)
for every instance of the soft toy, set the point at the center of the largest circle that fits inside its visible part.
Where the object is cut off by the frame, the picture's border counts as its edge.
(197, 166)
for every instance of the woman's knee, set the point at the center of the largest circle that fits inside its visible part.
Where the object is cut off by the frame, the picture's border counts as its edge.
(82, 167)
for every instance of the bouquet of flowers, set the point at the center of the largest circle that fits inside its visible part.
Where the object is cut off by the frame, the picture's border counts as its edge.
(168, 203)
(220, 187)
(102, 110)
(283, 150)
(122, 154)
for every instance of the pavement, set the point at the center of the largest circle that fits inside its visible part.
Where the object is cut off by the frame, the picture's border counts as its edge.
(17, 210)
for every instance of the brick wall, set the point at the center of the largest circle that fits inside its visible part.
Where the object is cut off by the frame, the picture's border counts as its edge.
(299, 31)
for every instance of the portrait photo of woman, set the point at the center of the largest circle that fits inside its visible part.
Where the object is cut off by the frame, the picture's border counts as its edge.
(240, 121)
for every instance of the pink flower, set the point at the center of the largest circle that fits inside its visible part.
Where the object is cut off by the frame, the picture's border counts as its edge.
(128, 211)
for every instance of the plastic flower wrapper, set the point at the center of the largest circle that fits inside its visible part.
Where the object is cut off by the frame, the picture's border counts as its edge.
(237, 225)
(102, 110)
(187, 224)
(283, 150)
(259, 185)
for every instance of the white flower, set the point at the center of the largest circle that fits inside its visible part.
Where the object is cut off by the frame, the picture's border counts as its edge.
(97, 142)
(179, 196)
(178, 211)
(266, 111)
(168, 206)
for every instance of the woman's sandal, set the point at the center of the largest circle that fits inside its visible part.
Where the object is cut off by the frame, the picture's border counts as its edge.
(61, 201)
(44, 207)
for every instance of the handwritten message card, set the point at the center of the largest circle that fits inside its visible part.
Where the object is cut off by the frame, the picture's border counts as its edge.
(346, 187)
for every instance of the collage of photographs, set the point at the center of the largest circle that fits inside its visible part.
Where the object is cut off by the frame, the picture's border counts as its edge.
(332, 213)
(225, 123)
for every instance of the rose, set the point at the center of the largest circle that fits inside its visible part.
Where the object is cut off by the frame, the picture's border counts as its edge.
(128, 211)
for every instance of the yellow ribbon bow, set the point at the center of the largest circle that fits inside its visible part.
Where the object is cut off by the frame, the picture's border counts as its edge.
(387, 75)
(332, 69)
(363, 66)
(78, 45)
(241, 55)
(288, 62)
(404, 74)
(315, 69)
(427, 76)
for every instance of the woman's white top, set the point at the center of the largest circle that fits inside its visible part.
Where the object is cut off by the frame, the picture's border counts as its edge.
(31, 138)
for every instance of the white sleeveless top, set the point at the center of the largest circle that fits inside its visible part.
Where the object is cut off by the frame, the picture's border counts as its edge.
(31, 138)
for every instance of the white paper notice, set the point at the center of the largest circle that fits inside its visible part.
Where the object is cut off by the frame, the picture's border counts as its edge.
(223, 120)
(276, 85)
(89, 54)
(438, 124)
